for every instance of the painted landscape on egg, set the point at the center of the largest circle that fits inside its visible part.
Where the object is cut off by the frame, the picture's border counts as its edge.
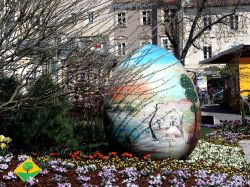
(153, 107)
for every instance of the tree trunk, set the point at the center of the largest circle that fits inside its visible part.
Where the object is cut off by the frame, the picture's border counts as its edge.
(242, 110)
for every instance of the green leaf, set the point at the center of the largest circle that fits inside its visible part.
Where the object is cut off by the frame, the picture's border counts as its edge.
(191, 95)
(193, 108)
(186, 82)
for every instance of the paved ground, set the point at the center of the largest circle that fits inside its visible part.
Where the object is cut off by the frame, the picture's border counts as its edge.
(245, 144)
(221, 113)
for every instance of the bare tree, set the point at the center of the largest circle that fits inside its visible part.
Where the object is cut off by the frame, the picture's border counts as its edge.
(86, 80)
(42, 36)
(187, 24)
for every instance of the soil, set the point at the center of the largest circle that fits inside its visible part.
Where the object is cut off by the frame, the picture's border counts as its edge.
(47, 181)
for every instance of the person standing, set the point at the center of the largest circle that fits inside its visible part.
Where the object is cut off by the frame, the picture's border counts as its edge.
(210, 91)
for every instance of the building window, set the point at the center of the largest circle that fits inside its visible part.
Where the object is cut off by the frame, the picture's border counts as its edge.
(10, 21)
(207, 51)
(73, 18)
(77, 2)
(90, 17)
(234, 20)
(122, 49)
(168, 16)
(35, 20)
(207, 21)
(98, 45)
(57, 40)
(146, 18)
(144, 43)
(72, 44)
(166, 44)
(121, 19)
(53, 67)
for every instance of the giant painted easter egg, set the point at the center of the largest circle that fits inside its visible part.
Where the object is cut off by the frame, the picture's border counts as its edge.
(152, 107)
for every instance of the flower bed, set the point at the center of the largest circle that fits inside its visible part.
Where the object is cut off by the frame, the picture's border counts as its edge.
(209, 165)
(228, 132)
(225, 137)
(236, 126)
(4, 144)
(212, 126)
(211, 154)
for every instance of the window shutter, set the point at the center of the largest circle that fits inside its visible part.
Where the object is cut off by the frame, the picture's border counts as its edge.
(232, 22)
(236, 22)
(204, 21)
(209, 51)
(149, 18)
(205, 52)
(119, 19)
(209, 22)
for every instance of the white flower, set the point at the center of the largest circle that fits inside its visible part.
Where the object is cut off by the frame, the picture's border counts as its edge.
(217, 154)
(31, 181)
(9, 176)
(64, 185)
(3, 166)
(23, 157)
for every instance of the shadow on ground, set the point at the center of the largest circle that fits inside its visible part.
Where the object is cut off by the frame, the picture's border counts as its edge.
(215, 108)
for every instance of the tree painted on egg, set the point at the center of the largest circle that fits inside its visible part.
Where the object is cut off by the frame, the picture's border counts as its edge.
(189, 92)
(191, 96)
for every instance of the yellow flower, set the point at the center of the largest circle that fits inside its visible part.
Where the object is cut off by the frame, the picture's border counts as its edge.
(2, 138)
(3, 145)
(7, 140)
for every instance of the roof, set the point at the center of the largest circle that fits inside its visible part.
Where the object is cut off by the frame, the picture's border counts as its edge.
(227, 56)
(146, 1)
(190, 3)
(213, 3)
(135, 4)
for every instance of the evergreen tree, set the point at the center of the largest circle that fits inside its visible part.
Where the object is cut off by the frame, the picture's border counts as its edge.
(42, 123)
(7, 87)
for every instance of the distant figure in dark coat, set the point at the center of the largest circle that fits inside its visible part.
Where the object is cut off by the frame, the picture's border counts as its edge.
(210, 91)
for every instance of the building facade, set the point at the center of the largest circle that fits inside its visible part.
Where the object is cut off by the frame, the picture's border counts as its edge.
(232, 31)
(121, 26)
(138, 23)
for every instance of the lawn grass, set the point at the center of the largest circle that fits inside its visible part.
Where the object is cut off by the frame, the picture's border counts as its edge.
(205, 131)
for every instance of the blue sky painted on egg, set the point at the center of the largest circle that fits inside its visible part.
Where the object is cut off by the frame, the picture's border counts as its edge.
(162, 64)
(150, 54)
